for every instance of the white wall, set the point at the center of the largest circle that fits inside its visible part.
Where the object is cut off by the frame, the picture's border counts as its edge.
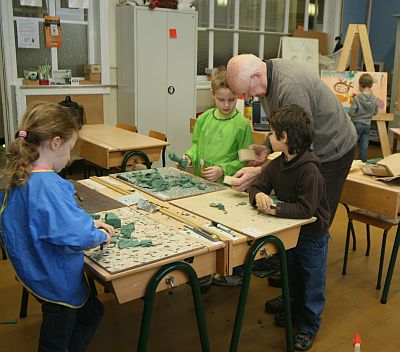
(110, 100)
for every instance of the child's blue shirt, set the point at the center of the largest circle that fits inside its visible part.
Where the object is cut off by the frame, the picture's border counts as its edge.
(45, 233)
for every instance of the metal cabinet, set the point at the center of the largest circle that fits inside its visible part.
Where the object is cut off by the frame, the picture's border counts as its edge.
(157, 60)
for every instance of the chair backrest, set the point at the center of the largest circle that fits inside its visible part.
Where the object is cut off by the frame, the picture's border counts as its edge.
(161, 136)
(157, 135)
(126, 126)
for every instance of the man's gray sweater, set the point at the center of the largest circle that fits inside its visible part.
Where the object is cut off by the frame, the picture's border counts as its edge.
(292, 83)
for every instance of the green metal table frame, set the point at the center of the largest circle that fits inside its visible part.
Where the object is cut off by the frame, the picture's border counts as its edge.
(149, 304)
(132, 154)
(257, 245)
(391, 266)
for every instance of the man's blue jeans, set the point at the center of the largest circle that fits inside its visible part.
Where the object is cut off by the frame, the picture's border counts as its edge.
(69, 330)
(307, 278)
(362, 139)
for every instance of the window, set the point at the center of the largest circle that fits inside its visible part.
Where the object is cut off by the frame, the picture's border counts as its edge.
(230, 27)
(80, 32)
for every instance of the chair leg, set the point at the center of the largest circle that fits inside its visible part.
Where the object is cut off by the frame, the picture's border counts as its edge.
(381, 260)
(353, 235)
(368, 240)
(23, 311)
(346, 250)
(163, 157)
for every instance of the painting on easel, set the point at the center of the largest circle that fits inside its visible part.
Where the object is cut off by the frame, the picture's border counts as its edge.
(344, 84)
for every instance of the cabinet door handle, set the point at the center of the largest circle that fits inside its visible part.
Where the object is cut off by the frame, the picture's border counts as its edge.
(171, 89)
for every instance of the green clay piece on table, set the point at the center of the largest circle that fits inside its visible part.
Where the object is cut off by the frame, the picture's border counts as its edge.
(113, 220)
(214, 205)
(95, 216)
(146, 243)
(220, 206)
(113, 240)
(183, 163)
(242, 203)
(126, 230)
(128, 242)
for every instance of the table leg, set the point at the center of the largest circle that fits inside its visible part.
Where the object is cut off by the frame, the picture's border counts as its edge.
(258, 244)
(392, 263)
(149, 304)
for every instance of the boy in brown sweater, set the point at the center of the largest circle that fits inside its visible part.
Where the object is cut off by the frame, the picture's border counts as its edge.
(300, 189)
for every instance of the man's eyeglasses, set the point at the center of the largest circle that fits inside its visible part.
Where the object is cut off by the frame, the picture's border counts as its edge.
(247, 95)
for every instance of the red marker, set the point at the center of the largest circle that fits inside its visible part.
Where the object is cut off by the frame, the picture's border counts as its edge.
(357, 342)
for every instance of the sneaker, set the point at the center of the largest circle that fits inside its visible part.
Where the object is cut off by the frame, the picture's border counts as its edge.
(205, 281)
(303, 341)
(227, 281)
(274, 280)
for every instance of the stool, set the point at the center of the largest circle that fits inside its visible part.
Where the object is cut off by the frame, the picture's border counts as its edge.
(369, 219)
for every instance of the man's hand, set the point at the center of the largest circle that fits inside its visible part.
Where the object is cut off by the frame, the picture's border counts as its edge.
(261, 155)
(245, 177)
(212, 173)
(265, 204)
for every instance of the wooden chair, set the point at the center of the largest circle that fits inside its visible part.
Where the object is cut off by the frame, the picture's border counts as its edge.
(369, 219)
(396, 137)
(162, 137)
(126, 126)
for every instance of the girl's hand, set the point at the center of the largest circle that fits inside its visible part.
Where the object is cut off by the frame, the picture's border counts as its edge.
(212, 173)
(265, 204)
(108, 228)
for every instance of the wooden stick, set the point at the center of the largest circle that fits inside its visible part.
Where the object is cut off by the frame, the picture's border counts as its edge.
(109, 185)
(188, 221)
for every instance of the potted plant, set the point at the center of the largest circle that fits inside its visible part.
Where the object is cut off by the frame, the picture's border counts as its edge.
(44, 74)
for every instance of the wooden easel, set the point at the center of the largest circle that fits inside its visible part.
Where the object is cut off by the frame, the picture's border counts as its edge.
(357, 34)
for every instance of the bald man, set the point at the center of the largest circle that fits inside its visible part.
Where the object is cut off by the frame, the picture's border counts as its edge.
(279, 82)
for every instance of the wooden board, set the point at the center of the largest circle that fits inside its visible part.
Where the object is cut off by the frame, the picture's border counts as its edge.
(93, 201)
(168, 242)
(170, 173)
(243, 218)
(92, 103)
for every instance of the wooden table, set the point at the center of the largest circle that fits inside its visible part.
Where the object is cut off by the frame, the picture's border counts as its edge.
(106, 145)
(238, 248)
(366, 193)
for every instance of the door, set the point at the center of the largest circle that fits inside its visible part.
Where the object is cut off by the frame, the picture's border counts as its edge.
(181, 78)
(150, 70)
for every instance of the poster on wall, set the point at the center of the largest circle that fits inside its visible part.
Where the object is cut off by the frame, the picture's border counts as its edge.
(344, 84)
(28, 33)
(304, 51)
(52, 31)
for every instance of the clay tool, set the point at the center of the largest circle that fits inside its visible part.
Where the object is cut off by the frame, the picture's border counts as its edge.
(205, 234)
(223, 228)
(12, 321)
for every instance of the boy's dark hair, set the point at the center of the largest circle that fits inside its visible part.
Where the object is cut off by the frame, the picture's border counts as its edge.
(366, 80)
(297, 124)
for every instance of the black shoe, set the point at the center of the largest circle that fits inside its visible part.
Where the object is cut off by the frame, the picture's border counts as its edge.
(274, 280)
(280, 320)
(275, 305)
(303, 341)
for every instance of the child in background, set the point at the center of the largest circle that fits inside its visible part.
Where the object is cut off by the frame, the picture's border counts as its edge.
(219, 134)
(44, 230)
(300, 189)
(363, 107)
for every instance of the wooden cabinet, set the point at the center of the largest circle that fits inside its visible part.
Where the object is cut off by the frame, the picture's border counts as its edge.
(157, 60)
